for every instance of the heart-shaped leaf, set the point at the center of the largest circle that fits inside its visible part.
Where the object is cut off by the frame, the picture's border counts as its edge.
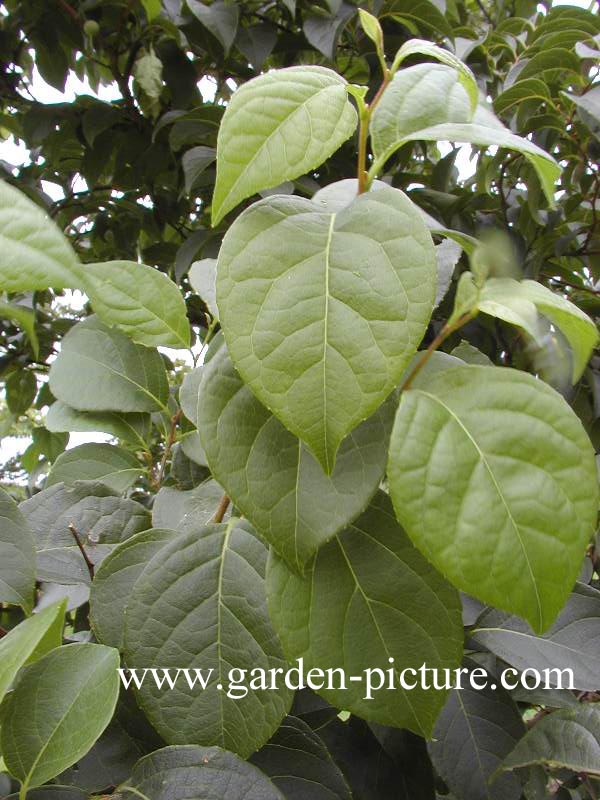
(493, 477)
(272, 477)
(200, 604)
(370, 601)
(322, 310)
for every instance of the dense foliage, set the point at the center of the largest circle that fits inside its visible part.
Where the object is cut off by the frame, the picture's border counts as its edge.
(352, 421)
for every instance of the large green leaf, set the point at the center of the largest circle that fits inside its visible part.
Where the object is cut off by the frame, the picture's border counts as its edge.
(322, 309)
(567, 738)
(133, 428)
(277, 127)
(17, 555)
(187, 773)
(475, 731)
(494, 479)
(569, 644)
(100, 518)
(114, 466)
(101, 369)
(114, 581)
(418, 97)
(220, 18)
(140, 300)
(48, 722)
(484, 130)
(200, 604)
(272, 477)
(35, 254)
(28, 641)
(521, 303)
(368, 597)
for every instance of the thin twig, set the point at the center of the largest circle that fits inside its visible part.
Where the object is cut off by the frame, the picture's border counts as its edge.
(170, 442)
(221, 510)
(88, 563)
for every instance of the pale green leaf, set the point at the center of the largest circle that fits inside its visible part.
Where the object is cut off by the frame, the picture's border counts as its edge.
(29, 640)
(200, 604)
(113, 466)
(48, 722)
(114, 581)
(273, 478)
(147, 71)
(100, 517)
(277, 127)
(520, 303)
(134, 428)
(568, 738)
(493, 478)
(484, 130)
(202, 277)
(153, 8)
(322, 311)
(181, 510)
(35, 253)
(140, 300)
(368, 597)
(101, 369)
(17, 555)
(170, 774)
(418, 97)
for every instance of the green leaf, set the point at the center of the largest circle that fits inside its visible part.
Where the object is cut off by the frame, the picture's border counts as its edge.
(48, 723)
(25, 318)
(568, 738)
(133, 428)
(520, 92)
(324, 31)
(472, 736)
(35, 254)
(323, 310)
(140, 300)
(567, 645)
(200, 604)
(520, 303)
(153, 8)
(484, 130)
(372, 27)
(369, 596)
(194, 162)
(295, 757)
(101, 369)
(182, 510)
(273, 478)
(589, 102)
(493, 477)
(418, 97)
(17, 555)
(422, 47)
(114, 581)
(106, 463)
(418, 15)
(220, 18)
(28, 641)
(173, 772)
(21, 388)
(203, 278)
(256, 42)
(277, 127)
(551, 61)
(100, 517)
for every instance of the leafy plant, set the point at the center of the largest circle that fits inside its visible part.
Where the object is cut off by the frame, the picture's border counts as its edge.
(374, 446)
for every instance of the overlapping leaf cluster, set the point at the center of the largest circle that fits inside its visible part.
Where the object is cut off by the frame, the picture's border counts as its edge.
(380, 449)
